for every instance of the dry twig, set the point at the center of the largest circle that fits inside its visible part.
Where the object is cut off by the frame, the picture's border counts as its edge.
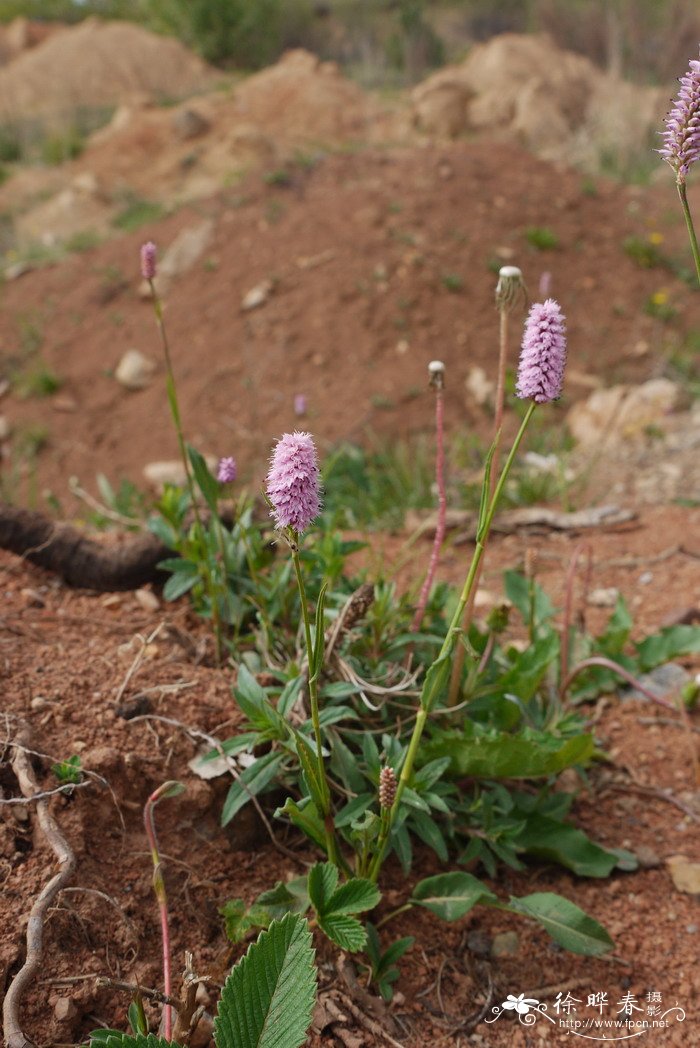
(14, 1036)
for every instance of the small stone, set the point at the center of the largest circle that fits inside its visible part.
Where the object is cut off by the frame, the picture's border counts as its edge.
(505, 944)
(189, 123)
(5, 427)
(479, 386)
(134, 370)
(136, 707)
(113, 601)
(65, 1009)
(147, 599)
(479, 943)
(65, 404)
(647, 857)
(32, 598)
(38, 703)
(604, 597)
(685, 874)
(257, 296)
(170, 471)
(645, 578)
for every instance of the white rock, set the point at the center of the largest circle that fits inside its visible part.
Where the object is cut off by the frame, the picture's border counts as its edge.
(481, 388)
(257, 296)
(171, 471)
(603, 597)
(147, 599)
(5, 428)
(134, 371)
(622, 412)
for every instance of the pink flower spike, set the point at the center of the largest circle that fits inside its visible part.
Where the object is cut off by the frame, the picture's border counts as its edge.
(148, 260)
(293, 482)
(543, 354)
(681, 146)
(227, 471)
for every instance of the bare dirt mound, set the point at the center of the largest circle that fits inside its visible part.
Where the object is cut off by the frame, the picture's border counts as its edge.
(97, 64)
(21, 34)
(366, 266)
(555, 103)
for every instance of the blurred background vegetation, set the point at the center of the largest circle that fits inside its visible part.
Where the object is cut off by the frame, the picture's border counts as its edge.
(396, 42)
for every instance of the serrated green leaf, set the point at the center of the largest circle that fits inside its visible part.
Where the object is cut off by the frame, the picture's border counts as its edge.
(451, 895)
(354, 896)
(617, 631)
(268, 998)
(286, 897)
(566, 923)
(252, 781)
(239, 919)
(490, 754)
(323, 880)
(346, 932)
(207, 484)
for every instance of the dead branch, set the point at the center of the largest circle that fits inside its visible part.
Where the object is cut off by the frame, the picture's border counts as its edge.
(78, 560)
(21, 765)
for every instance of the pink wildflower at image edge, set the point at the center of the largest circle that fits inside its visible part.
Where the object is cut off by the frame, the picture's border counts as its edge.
(543, 354)
(148, 260)
(227, 471)
(681, 146)
(293, 482)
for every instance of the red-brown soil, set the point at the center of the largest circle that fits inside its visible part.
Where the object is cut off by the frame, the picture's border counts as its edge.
(379, 262)
(65, 657)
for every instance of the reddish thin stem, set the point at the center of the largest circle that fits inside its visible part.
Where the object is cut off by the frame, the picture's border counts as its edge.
(608, 664)
(168, 789)
(442, 512)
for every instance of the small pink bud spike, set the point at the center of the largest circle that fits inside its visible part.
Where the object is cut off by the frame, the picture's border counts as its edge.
(148, 260)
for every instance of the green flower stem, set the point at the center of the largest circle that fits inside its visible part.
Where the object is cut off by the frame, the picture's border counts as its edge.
(171, 391)
(691, 228)
(448, 644)
(329, 829)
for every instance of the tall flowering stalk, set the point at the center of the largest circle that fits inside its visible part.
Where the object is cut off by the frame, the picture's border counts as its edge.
(436, 371)
(148, 272)
(541, 371)
(510, 291)
(681, 143)
(294, 494)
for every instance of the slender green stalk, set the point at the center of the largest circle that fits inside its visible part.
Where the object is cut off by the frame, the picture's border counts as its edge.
(691, 228)
(171, 391)
(448, 644)
(329, 829)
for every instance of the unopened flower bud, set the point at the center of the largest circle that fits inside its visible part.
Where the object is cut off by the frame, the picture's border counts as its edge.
(387, 787)
(510, 287)
(226, 473)
(436, 374)
(148, 260)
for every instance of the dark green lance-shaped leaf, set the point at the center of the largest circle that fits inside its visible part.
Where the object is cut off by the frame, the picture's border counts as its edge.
(429, 832)
(323, 880)
(558, 842)
(401, 843)
(517, 589)
(666, 645)
(290, 694)
(306, 818)
(309, 766)
(114, 1039)
(617, 631)
(486, 489)
(451, 895)
(528, 671)
(179, 583)
(268, 998)
(566, 923)
(163, 530)
(346, 932)
(436, 680)
(207, 484)
(490, 754)
(319, 644)
(253, 700)
(352, 809)
(252, 781)
(354, 896)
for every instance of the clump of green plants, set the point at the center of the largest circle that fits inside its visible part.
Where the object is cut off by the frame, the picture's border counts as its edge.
(541, 238)
(137, 212)
(59, 147)
(37, 380)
